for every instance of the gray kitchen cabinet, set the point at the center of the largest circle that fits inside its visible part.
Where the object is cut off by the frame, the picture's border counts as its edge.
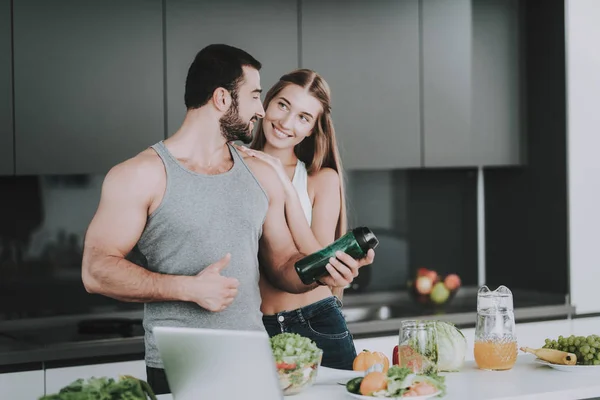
(471, 69)
(368, 52)
(6, 111)
(496, 117)
(88, 83)
(267, 29)
(446, 46)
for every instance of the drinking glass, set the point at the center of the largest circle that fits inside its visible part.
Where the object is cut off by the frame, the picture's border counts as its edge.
(418, 346)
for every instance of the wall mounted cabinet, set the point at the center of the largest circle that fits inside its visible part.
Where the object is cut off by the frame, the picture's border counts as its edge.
(471, 83)
(368, 52)
(267, 29)
(419, 83)
(415, 83)
(88, 83)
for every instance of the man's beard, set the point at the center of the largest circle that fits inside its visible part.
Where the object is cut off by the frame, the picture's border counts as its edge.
(233, 127)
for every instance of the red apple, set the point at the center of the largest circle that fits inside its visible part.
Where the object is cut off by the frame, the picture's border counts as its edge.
(432, 275)
(423, 285)
(422, 271)
(452, 282)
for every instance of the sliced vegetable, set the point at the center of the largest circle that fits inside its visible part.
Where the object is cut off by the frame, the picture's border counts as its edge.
(373, 382)
(398, 382)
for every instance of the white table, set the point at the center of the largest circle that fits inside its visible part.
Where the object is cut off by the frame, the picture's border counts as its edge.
(526, 381)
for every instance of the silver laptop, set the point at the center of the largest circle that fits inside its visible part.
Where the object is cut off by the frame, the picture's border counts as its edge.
(218, 364)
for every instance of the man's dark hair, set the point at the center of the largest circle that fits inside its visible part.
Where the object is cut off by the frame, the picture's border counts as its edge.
(216, 65)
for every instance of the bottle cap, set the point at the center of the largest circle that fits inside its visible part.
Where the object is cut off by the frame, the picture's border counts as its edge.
(365, 238)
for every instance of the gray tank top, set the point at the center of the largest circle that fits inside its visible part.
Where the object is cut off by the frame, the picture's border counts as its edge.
(200, 219)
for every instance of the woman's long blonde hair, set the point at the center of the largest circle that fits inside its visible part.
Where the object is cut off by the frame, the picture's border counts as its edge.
(319, 150)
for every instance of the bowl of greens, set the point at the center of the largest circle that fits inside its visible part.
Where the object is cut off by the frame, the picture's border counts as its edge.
(126, 387)
(297, 359)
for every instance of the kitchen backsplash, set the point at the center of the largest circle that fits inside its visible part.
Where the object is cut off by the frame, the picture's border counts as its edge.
(422, 218)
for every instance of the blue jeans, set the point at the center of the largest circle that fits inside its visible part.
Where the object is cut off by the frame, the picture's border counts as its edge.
(323, 323)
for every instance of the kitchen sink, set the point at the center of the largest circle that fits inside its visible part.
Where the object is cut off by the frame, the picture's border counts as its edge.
(465, 303)
(355, 314)
(366, 313)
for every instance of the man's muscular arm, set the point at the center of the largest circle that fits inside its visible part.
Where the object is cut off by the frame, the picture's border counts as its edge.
(114, 230)
(127, 193)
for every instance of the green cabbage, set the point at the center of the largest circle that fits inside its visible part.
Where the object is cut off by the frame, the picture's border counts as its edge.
(452, 347)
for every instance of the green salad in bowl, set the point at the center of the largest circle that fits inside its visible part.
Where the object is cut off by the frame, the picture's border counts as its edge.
(297, 359)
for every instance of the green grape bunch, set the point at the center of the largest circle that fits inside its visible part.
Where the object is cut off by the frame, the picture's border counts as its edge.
(586, 348)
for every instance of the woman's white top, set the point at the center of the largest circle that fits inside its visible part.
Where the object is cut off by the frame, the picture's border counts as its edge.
(300, 182)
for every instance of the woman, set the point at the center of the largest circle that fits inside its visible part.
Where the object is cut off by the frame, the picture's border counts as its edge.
(297, 138)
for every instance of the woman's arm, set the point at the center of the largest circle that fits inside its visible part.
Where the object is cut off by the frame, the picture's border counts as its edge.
(325, 212)
(325, 208)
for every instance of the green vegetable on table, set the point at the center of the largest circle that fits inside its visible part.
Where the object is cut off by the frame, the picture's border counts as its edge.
(297, 359)
(291, 350)
(126, 388)
(452, 347)
(353, 385)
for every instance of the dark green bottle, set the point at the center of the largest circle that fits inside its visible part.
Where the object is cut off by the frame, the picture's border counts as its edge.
(356, 243)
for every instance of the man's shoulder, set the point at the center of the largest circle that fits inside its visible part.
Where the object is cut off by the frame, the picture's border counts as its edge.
(143, 171)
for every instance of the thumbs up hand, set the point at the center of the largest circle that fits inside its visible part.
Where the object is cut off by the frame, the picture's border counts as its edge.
(211, 290)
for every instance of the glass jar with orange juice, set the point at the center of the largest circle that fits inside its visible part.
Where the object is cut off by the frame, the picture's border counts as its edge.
(495, 338)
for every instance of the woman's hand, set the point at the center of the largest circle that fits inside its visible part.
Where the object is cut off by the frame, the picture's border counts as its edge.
(269, 159)
(343, 268)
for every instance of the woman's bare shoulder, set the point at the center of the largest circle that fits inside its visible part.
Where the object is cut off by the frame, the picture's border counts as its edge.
(325, 176)
(326, 180)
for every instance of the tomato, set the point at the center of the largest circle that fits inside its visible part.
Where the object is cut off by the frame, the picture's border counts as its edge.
(286, 366)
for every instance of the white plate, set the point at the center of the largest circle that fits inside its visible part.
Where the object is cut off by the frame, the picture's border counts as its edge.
(427, 396)
(333, 375)
(344, 381)
(595, 369)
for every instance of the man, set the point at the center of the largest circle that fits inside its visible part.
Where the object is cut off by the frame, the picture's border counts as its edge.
(199, 215)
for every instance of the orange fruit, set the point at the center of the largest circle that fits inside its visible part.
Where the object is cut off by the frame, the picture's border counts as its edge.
(366, 359)
(373, 382)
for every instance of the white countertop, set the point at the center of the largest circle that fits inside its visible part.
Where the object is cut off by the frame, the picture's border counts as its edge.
(526, 381)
